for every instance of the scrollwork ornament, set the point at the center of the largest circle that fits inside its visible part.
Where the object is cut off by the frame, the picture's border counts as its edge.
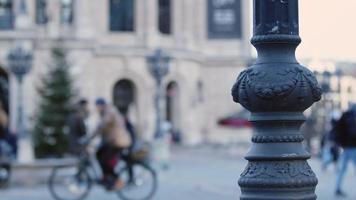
(286, 170)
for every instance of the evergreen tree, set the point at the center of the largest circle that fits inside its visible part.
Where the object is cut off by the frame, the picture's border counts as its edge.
(56, 97)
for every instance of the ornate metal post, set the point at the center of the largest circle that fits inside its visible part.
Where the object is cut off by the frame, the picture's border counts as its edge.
(339, 75)
(277, 89)
(20, 62)
(159, 68)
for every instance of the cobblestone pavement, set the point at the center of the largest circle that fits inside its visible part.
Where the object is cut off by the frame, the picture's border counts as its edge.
(197, 174)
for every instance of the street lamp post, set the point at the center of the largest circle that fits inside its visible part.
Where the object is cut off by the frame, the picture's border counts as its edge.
(339, 75)
(20, 63)
(325, 84)
(159, 68)
(277, 89)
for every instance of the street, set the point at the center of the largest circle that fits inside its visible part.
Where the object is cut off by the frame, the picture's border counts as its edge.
(209, 174)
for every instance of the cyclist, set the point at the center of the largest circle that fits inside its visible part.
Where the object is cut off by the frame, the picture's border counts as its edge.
(115, 138)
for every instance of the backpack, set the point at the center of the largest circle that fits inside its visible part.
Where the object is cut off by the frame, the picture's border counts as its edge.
(345, 128)
(2, 132)
(350, 125)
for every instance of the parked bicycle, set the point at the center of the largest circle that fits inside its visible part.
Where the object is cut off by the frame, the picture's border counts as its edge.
(75, 182)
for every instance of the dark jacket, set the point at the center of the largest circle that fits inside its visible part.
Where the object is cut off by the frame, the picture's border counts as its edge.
(3, 123)
(131, 130)
(77, 129)
(345, 130)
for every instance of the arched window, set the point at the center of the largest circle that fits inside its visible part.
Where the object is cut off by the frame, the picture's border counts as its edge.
(164, 19)
(124, 95)
(67, 11)
(41, 12)
(6, 14)
(122, 15)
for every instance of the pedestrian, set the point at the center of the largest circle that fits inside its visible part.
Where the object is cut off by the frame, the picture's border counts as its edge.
(115, 139)
(3, 122)
(330, 150)
(6, 137)
(77, 126)
(345, 136)
(3, 130)
(308, 130)
(5, 148)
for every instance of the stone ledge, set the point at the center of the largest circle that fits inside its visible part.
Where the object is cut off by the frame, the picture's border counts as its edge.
(45, 163)
(37, 172)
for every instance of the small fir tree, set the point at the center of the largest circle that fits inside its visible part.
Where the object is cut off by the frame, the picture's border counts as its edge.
(56, 96)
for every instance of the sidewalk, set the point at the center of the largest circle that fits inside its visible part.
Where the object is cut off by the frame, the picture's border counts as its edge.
(208, 173)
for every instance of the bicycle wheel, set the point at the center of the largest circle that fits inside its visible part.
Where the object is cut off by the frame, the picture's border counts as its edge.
(69, 183)
(142, 185)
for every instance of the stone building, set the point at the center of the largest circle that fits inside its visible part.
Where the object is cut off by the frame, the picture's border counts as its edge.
(337, 80)
(108, 42)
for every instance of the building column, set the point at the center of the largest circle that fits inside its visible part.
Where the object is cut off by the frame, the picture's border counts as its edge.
(83, 19)
(149, 20)
(277, 90)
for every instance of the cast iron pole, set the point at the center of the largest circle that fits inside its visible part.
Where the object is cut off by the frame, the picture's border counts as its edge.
(159, 68)
(158, 107)
(277, 89)
(20, 123)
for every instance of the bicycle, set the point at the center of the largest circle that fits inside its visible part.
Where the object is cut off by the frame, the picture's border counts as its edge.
(75, 182)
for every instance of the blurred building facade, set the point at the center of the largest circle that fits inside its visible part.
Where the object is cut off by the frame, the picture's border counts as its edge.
(108, 41)
(337, 80)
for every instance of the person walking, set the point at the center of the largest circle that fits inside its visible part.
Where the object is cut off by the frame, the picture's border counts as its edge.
(3, 131)
(345, 136)
(330, 150)
(115, 138)
(6, 136)
(5, 149)
(3, 122)
(77, 126)
(308, 130)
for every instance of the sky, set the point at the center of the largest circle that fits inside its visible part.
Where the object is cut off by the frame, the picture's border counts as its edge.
(328, 29)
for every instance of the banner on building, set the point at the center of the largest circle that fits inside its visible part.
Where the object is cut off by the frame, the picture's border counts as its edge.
(224, 19)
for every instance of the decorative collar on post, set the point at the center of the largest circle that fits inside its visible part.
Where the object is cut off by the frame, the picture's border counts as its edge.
(20, 61)
(159, 64)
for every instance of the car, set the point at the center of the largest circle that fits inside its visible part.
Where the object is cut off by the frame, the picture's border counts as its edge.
(236, 120)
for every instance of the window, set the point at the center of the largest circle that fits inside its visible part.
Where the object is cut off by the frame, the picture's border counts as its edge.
(6, 15)
(164, 21)
(224, 19)
(41, 12)
(122, 15)
(67, 11)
